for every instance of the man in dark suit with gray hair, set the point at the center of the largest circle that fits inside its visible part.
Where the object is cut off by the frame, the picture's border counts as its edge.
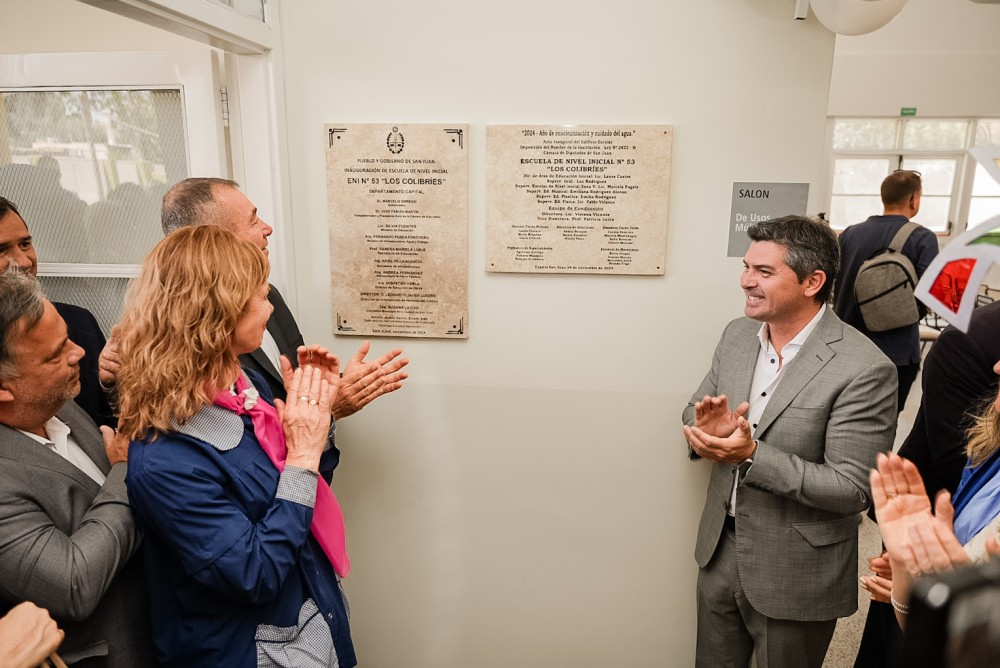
(66, 531)
(815, 402)
(216, 201)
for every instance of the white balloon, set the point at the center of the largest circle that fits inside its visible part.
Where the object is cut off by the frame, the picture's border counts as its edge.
(855, 17)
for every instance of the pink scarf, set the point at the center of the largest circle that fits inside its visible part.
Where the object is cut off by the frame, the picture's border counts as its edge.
(328, 519)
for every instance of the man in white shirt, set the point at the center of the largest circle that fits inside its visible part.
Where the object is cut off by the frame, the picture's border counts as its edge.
(66, 532)
(814, 404)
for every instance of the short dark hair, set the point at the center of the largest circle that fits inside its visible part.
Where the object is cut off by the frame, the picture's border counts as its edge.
(810, 245)
(192, 202)
(22, 305)
(900, 186)
(6, 206)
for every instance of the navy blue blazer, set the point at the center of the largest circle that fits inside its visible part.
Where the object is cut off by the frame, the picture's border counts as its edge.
(235, 577)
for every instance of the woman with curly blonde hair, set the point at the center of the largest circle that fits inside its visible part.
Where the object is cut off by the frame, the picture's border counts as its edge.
(243, 545)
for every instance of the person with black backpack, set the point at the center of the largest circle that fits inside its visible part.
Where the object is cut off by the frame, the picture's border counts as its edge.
(881, 261)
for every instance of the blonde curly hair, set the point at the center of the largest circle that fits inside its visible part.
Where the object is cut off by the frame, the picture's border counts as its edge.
(175, 337)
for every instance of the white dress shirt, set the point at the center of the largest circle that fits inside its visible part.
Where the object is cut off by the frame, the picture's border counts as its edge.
(766, 376)
(63, 444)
(270, 348)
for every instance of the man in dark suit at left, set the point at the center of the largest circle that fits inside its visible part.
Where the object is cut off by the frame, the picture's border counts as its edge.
(66, 532)
(17, 248)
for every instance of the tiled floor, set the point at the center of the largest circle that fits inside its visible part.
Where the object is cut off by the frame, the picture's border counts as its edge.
(846, 638)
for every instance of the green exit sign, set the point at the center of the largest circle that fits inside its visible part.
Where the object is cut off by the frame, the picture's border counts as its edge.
(908, 111)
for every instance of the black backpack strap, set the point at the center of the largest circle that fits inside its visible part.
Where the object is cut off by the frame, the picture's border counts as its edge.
(896, 245)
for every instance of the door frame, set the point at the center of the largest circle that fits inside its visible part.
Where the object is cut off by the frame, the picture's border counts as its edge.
(256, 149)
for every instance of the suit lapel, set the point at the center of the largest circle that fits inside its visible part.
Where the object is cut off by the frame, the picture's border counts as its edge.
(746, 364)
(264, 361)
(86, 434)
(275, 329)
(19, 448)
(810, 360)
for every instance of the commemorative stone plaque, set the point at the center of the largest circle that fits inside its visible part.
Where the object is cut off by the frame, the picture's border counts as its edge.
(398, 217)
(585, 199)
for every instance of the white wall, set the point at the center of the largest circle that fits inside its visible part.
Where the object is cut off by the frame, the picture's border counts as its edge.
(526, 500)
(940, 56)
(59, 26)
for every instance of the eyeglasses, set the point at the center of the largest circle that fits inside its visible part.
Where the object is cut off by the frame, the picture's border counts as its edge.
(907, 171)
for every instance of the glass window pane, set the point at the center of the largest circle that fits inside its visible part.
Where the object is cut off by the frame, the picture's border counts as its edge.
(934, 213)
(987, 132)
(924, 135)
(983, 184)
(937, 176)
(251, 9)
(982, 209)
(864, 135)
(101, 296)
(859, 176)
(87, 169)
(846, 210)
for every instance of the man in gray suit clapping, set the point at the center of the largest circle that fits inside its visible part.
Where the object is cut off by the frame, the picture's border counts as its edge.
(66, 532)
(815, 402)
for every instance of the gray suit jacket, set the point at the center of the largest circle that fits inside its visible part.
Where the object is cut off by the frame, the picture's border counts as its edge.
(65, 544)
(833, 411)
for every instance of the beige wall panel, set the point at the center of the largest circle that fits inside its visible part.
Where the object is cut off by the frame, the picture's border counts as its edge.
(525, 500)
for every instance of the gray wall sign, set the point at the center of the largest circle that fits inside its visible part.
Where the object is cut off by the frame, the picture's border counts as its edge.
(754, 202)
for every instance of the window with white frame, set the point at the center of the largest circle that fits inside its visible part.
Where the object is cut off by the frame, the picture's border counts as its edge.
(956, 194)
(251, 9)
(87, 169)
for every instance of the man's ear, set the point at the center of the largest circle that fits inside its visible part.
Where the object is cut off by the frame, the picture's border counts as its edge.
(814, 282)
(6, 396)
